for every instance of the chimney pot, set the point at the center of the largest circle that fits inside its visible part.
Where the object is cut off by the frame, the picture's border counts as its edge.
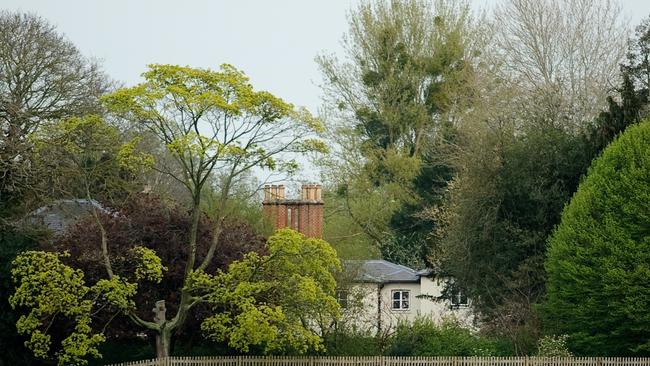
(267, 193)
(319, 193)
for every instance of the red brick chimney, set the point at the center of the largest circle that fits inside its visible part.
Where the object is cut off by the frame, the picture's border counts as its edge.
(304, 215)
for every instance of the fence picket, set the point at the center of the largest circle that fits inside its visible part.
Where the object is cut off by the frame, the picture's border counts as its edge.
(389, 361)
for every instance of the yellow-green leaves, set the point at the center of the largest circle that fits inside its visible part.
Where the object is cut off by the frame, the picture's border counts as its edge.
(273, 301)
(82, 152)
(148, 265)
(51, 289)
(130, 159)
(305, 117)
(215, 121)
(117, 292)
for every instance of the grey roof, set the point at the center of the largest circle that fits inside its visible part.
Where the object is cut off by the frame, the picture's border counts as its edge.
(381, 271)
(59, 215)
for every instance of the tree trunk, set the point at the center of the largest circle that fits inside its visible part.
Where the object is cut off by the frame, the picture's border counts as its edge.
(163, 340)
(164, 335)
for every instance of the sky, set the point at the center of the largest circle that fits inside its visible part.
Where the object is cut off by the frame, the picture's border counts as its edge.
(273, 41)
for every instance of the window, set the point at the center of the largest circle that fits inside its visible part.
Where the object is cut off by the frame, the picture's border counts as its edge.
(290, 217)
(459, 299)
(400, 299)
(293, 218)
(342, 298)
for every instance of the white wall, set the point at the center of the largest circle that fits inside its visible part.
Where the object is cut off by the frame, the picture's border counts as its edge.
(365, 311)
(361, 313)
(439, 310)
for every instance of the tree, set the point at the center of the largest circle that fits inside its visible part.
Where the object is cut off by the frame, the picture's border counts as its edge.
(246, 129)
(216, 129)
(501, 207)
(566, 54)
(273, 300)
(597, 260)
(43, 77)
(150, 221)
(522, 150)
(87, 157)
(631, 106)
(261, 300)
(391, 104)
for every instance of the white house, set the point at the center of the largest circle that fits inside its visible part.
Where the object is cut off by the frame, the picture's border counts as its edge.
(381, 294)
(377, 294)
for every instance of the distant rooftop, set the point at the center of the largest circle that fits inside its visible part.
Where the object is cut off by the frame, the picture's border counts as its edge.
(59, 215)
(381, 271)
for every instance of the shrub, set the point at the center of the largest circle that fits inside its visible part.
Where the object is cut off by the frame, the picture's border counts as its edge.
(423, 337)
(553, 346)
(351, 344)
(598, 287)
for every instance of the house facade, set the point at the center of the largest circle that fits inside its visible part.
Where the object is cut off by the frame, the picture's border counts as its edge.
(375, 295)
(382, 294)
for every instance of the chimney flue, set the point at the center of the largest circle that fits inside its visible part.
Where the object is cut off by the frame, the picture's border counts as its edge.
(267, 193)
(304, 214)
(318, 192)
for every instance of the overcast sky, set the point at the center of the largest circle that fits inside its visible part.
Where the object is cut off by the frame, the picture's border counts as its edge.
(273, 41)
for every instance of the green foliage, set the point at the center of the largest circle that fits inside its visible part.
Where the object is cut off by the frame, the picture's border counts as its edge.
(597, 287)
(553, 346)
(425, 338)
(345, 235)
(87, 157)
(117, 292)
(50, 289)
(11, 244)
(346, 344)
(215, 121)
(408, 70)
(270, 300)
(55, 293)
(148, 265)
(506, 200)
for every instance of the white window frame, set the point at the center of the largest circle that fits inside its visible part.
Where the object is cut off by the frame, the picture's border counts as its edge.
(457, 297)
(343, 298)
(401, 300)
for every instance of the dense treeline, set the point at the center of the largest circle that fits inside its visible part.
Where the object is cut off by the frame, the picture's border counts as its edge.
(449, 139)
(515, 106)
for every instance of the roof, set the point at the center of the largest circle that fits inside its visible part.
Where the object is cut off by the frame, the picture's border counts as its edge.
(381, 271)
(59, 215)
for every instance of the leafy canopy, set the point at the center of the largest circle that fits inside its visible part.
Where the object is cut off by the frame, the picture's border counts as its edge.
(598, 288)
(273, 300)
(407, 70)
(51, 290)
(214, 121)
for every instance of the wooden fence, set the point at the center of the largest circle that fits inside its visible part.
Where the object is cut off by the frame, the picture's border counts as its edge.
(390, 361)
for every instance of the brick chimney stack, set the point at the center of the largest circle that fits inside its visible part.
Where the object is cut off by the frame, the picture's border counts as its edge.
(304, 215)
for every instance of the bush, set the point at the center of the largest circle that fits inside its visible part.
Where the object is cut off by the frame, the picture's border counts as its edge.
(425, 338)
(598, 287)
(347, 344)
(553, 346)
